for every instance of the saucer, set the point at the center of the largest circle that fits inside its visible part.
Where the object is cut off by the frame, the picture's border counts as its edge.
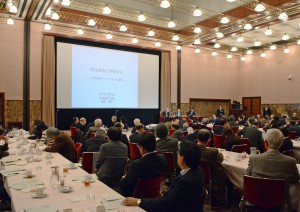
(66, 189)
(74, 167)
(34, 195)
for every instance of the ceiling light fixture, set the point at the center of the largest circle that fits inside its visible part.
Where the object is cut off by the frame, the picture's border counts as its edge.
(231, 1)
(248, 26)
(151, 33)
(197, 12)
(229, 56)
(259, 7)
(273, 47)
(48, 12)
(224, 20)
(240, 39)
(175, 38)
(249, 52)
(268, 32)
(214, 53)
(141, 17)
(197, 50)
(197, 41)
(9, 3)
(178, 47)
(217, 45)
(263, 54)
(171, 24)
(13, 9)
(234, 49)
(109, 36)
(80, 31)
(286, 50)
(197, 30)
(283, 16)
(257, 43)
(134, 40)
(243, 58)
(47, 26)
(55, 16)
(157, 44)
(165, 4)
(10, 21)
(91, 22)
(65, 2)
(106, 10)
(285, 37)
(123, 28)
(220, 35)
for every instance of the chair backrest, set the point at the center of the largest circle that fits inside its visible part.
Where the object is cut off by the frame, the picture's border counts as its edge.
(73, 131)
(78, 149)
(89, 161)
(264, 192)
(134, 151)
(185, 133)
(235, 129)
(171, 132)
(92, 135)
(210, 143)
(147, 188)
(247, 142)
(240, 148)
(215, 127)
(292, 135)
(219, 141)
(206, 171)
(288, 153)
(170, 161)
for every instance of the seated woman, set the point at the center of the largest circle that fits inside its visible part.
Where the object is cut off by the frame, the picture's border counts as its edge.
(231, 137)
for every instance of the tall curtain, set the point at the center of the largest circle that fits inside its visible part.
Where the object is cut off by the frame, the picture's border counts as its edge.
(165, 93)
(48, 81)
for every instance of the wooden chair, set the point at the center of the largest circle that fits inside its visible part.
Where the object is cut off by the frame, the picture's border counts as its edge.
(148, 188)
(264, 194)
(207, 177)
(219, 141)
(89, 161)
(235, 129)
(240, 148)
(134, 151)
(292, 135)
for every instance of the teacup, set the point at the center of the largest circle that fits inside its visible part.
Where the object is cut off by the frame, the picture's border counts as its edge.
(28, 174)
(71, 165)
(39, 191)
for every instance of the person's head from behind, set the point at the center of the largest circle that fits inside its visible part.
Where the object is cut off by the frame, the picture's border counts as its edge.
(119, 125)
(273, 138)
(114, 133)
(98, 122)
(256, 124)
(205, 121)
(146, 143)
(189, 155)
(52, 133)
(203, 136)
(240, 118)
(75, 119)
(284, 131)
(231, 118)
(161, 131)
(140, 128)
(195, 127)
(175, 126)
(136, 121)
(82, 121)
(114, 119)
(100, 134)
(223, 120)
(123, 119)
(251, 120)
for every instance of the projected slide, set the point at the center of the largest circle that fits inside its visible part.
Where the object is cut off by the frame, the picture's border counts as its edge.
(104, 78)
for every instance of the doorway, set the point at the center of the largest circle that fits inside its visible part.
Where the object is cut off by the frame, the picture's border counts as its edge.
(252, 105)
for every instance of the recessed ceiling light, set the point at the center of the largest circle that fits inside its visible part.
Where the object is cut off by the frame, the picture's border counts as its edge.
(285, 37)
(197, 50)
(13, 9)
(197, 12)
(91, 22)
(231, 0)
(248, 26)
(217, 45)
(47, 26)
(268, 32)
(263, 54)
(220, 35)
(273, 47)
(65, 2)
(106, 10)
(234, 49)
(283, 16)
(55, 16)
(123, 28)
(157, 44)
(141, 17)
(229, 56)
(243, 58)
(165, 4)
(197, 41)
(197, 30)
(151, 33)
(175, 38)
(259, 7)
(249, 52)
(240, 39)
(257, 43)
(109, 36)
(286, 50)
(80, 31)
(178, 47)
(10, 21)
(224, 20)
(134, 40)
(171, 24)
(214, 53)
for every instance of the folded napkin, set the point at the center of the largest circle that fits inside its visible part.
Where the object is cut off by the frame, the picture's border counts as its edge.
(82, 177)
(9, 174)
(45, 208)
(12, 152)
(111, 196)
(28, 183)
(9, 159)
(112, 205)
(79, 198)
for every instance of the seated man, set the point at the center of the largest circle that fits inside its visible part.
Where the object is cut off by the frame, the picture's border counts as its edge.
(93, 144)
(112, 158)
(193, 136)
(150, 165)
(273, 164)
(287, 144)
(97, 126)
(186, 193)
(177, 133)
(163, 143)
(136, 122)
(63, 144)
(218, 130)
(133, 138)
(124, 138)
(214, 159)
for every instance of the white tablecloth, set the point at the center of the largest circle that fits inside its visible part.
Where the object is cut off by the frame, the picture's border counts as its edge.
(235, 171)
(22, 200)
(296, 145)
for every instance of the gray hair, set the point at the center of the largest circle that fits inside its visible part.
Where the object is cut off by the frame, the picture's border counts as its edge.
(136, 121)
(274, 137)
(205, 121)
(52, 132)
(98, 122)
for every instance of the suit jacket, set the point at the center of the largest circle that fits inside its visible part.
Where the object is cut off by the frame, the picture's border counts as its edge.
(134, 137)
(192, 136)
(231, 138)
(167, 145)
(4, 147)
(166, 114)
(296, 129)
(267, 112)
(64, 145)
(178, 135)
(185, 194)
(220, 112)
(177, 114)
(125, 141)
(111, 162)
(150, 165)
(91, 130)
(218, 130)
(191, 114)
(287, 144)
(255, 137)
(92, 144)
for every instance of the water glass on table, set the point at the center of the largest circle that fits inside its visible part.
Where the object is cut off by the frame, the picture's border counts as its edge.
(87, 181)
(91, 203)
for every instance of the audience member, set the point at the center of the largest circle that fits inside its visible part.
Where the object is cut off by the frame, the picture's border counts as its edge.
(191, 113)
(218, 130)
(232, 121)
(62, 143)
(163, 143)
(186, 193)
(287, 144)
(112, 158)
(294, 127)
(4, 147)
(151, 164)
(113, 120)
(133, 138)
(93, 144)
(193, 136)
(96, 127)
(124, 138)
(177, 133)
(75, 122)
(215, 120)
(123, 120)
(203, 125)
(294, 117)
(39, 128)
(241, 121)
(136, 122)
(185, 127)
(267, 111)
(231, 137)
(220, 111)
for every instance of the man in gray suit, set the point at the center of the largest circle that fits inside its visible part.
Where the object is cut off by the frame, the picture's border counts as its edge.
(273, 164)
(112, 158)
(253, 134)
(163, 143)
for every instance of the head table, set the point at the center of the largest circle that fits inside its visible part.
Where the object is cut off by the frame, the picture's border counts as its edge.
(236, 168)
(54, 200)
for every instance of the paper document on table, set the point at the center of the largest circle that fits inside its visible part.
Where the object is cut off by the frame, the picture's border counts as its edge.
(111, 196)
(46, 208)
(79, 198)
(9, 159)
(82, 177)
(112, 205)
(12, 169)
(12, 152)
(26, 184)
(9, 174)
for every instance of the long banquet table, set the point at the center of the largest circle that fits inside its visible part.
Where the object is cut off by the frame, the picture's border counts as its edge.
(23, 201)
(236, 169)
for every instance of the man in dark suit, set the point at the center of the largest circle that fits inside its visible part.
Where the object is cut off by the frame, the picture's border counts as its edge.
(218, 130)
(178, 113)
(291, 126)
(124, 138)
(220, 111)
(294, 117)
(214, 159)
(267, 111)
(165, 144)
(193, 136)
(63, 144)
(112, 158)
(133, 138)
(186, 193)
(150, 165)
(93, 144)
(166, 113)
(191, 113)
(253, 134)
(273, 164)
